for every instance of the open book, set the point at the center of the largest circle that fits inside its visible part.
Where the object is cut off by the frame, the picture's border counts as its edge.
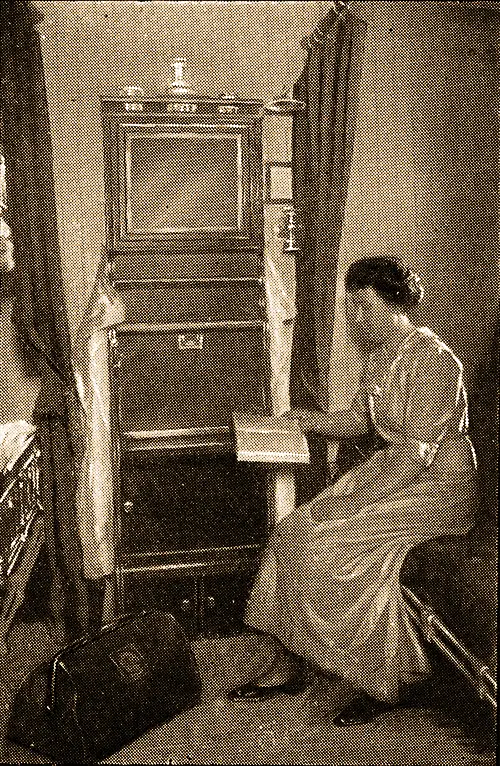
(269, 439)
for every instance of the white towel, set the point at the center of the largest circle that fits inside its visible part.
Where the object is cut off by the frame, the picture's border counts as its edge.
(14, 437)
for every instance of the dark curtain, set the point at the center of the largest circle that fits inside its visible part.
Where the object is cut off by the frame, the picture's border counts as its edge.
(39, 313)
(322, 145)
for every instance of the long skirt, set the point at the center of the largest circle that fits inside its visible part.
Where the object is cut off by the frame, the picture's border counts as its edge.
(330, 591)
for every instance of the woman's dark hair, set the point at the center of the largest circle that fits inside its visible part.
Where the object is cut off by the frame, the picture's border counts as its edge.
(393, 281)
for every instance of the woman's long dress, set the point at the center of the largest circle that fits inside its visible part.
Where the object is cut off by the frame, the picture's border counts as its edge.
(330, 591)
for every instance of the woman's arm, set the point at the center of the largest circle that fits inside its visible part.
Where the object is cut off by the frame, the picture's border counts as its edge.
(398, 471)
(342, 424)
(400, 468)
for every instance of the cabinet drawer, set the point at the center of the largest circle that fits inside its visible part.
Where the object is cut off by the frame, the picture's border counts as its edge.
(191, 376)
(158, 302)
(160, 589)
(223, 600)
(187, 503)
(207, 605)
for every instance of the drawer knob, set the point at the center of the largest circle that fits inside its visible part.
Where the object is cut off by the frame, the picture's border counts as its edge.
(128, 506)
(210, 602)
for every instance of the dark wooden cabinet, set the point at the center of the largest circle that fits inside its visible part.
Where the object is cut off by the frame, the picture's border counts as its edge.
(190, 502)
(184, 188)
(185, 241)
(192, 375)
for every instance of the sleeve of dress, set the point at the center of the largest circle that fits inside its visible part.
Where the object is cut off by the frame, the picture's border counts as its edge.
(360, 406)
(433, 396)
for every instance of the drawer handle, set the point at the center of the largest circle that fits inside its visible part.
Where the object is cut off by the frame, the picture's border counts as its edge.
(128, 506)
(210, 602)
(190, 342)
(186, 605)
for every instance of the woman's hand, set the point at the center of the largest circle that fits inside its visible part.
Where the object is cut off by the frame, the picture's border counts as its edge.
(341, 424)
(308, 420)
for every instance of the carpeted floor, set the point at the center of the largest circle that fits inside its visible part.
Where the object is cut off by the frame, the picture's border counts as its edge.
(436, 728)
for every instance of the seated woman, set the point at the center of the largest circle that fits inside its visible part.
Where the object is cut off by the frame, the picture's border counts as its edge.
(328, 587)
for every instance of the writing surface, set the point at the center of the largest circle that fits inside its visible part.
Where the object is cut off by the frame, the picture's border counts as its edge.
(269, 439)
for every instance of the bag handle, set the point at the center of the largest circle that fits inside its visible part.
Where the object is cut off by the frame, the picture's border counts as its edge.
(83, 641)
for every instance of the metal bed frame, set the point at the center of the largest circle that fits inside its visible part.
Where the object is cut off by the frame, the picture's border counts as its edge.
(436, 632)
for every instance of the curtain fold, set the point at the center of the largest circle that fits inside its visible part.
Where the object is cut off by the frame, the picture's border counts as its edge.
(94, 491)
(40, 314)
(322, 146)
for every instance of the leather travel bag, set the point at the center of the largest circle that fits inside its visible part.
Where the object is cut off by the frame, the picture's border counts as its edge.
(104, 690)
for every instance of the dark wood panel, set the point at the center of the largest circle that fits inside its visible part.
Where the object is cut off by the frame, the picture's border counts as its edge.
(190, 503)
(164, 302)
(221, 264)
(223, 600)
(191, 377)
(211, 203)
(207, 605)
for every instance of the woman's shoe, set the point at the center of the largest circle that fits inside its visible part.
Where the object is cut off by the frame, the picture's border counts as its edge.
(255, 691)
(362, 709)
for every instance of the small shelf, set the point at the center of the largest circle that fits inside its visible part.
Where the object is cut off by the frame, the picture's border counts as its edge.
(200, 561)
(175, 440)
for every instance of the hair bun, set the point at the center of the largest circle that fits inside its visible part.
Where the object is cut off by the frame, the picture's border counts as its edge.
(395, 282)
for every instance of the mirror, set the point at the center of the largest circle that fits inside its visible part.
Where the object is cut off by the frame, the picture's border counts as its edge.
(183, 182)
